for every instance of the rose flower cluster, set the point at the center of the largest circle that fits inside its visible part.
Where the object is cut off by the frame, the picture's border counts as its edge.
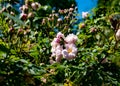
(63, 47)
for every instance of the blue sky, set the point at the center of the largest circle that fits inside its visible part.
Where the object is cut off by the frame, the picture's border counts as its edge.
(85, 5)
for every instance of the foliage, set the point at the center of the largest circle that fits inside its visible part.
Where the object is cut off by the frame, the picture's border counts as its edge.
(25, 45)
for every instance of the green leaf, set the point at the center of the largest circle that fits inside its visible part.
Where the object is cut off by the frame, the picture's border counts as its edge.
(3, 48)
(16, 19)
(24, 61)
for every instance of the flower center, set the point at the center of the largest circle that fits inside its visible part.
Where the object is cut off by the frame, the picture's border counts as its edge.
(69, 50)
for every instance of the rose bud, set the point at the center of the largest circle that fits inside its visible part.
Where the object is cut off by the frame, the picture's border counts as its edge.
(24, 8)
(23, 16)
(52, 19)
(43, 21)
(12, 13)
(66, 11)
(3, 10)
(53, 11)
(35, 5)
(21, 8)
(73, 5)
(27, 32)
(71, 10)
(61, 11)
(30, 15)
(50, 15)
(49, 19)
(93, 29)
(59, 20)
(82, 25)
(70, 14)
(11, 30)
(56, 15)
(67, 17)
(10, 22)
(20, 32)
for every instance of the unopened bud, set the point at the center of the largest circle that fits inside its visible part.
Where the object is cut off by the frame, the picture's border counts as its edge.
(12, 13)
(20, 32)
(11, 30)
(73, 5)
(53, 11)
(71, 10)
(30, 15)
(23, 16)
(52, 19)
(93, 29)
(43, 22)
(66, 11)
(24, 8)
(35, 5)
(10, 22)
(2, 10)
(56, 15)
(59, 20)
(27, 32)
(70, 14)
(82, 25)
(61, 11)
(67, 17)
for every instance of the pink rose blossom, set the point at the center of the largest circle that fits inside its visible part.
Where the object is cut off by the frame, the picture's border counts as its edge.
(71, 38)
(70, 52)
(60, 35)
(55, 42)
(58, 55)
(57, 52)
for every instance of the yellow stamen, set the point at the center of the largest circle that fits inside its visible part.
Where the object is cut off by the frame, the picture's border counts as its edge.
(69, 50)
